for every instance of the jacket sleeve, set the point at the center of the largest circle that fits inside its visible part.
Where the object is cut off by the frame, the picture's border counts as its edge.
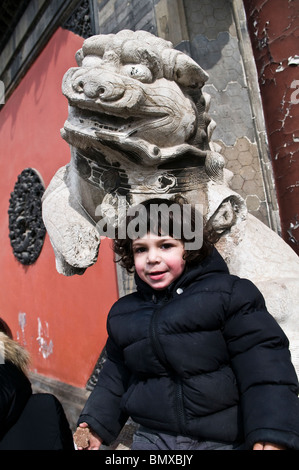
(102, 410)
(15, 391)
(260, 357)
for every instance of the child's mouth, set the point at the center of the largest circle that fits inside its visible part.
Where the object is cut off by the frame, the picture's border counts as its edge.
(156, 275)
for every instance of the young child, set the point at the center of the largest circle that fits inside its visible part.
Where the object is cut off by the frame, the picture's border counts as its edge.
(193, 356)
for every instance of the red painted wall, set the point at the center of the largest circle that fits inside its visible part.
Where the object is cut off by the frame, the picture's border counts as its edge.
(61, 320)
(273, 26)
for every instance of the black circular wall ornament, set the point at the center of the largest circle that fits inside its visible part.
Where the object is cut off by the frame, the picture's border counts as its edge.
(26, 227)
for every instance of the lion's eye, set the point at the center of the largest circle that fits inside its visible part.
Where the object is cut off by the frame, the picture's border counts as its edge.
(139, 72)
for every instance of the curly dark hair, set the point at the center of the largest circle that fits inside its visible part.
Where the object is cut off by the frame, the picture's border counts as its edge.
(155, 221)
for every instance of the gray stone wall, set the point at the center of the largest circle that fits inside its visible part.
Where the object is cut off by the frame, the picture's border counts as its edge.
(115, 15)
(214, 44)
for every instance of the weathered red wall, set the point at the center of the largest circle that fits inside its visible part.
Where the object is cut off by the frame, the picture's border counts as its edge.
(274, 30)
(70, 312)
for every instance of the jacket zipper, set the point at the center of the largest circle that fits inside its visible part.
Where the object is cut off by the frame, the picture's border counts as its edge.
(154, 337)
(179, 402)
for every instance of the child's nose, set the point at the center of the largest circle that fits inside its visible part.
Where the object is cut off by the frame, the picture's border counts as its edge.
(153, 256)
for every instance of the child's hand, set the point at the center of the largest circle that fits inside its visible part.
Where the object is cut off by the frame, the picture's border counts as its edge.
(86, 439)
(267, 446)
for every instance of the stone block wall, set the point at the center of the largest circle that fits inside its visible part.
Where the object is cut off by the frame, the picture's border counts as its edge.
(214, 44)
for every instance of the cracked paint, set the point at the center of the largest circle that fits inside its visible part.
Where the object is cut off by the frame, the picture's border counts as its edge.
(293, 60)
(292, 228)
(22, 323)
(45, 345)
(273, 26)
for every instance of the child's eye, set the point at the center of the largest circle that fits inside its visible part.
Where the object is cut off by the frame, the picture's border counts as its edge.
(139, 249)
(166, 246)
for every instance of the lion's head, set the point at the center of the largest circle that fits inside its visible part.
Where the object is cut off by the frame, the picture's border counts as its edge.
(135, 92)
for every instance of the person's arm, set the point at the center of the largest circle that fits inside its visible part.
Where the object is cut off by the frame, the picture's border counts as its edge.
(260, 358)
(15, 390)
(102, 411)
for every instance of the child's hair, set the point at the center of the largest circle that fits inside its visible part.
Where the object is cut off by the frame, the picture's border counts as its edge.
(155, 222)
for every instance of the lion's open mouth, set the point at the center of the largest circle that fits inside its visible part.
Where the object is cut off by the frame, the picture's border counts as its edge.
(95, 123)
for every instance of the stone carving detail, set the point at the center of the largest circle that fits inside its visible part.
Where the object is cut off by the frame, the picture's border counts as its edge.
(80, 21)
(138, 127)
(26, 227)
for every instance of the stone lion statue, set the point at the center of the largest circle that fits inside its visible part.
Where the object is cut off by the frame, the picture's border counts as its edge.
(138, 127)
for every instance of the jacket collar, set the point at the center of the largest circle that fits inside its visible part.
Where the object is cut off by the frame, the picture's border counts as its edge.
(14, 353)
(211, 264)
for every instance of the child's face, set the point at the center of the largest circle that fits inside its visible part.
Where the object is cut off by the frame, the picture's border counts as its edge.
(158, 260)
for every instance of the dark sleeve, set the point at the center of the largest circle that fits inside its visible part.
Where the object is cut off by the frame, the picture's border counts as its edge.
(260, 357)
(102, 410)
(15, 390)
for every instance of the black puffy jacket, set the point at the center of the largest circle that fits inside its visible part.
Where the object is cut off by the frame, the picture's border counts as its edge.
(15, 391)
(27, 421)
(203, 358)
